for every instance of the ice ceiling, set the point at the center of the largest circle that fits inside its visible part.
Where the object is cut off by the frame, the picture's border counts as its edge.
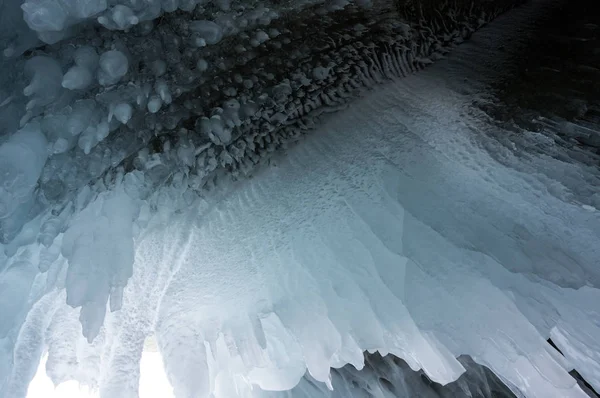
(268, 190)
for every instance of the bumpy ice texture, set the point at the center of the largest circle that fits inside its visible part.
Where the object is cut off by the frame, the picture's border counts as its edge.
(388, 229)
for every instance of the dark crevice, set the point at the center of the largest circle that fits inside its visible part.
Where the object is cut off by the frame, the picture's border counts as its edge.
(585, 386)
(555, 347)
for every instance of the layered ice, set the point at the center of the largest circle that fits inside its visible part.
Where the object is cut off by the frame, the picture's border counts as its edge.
(390, 228)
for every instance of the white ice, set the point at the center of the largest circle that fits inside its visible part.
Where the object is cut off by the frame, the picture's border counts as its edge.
(393, 227)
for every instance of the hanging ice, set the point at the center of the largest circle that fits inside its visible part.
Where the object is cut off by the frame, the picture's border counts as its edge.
(113, 66)
(22, 158)
(209, 31)
(211, 184)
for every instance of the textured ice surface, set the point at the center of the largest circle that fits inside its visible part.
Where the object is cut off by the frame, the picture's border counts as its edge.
(391, 377)
(209, 31)
(112, 67)
(77, 78)
(392, 227)
(22, 158)
(46, 76)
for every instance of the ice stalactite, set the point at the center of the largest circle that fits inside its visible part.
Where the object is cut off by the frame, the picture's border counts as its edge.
(389, 228)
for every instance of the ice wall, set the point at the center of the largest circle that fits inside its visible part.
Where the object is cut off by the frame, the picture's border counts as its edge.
(390, 228)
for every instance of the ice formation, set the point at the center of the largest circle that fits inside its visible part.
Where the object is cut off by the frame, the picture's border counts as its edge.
(20, 177)
(206, 175)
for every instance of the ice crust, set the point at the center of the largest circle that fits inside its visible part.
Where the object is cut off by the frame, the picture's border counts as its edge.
(391, 228)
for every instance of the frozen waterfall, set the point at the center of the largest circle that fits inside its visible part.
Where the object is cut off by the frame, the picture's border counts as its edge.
(289, 200)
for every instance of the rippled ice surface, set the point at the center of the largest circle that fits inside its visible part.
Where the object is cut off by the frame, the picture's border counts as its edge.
(406, 224)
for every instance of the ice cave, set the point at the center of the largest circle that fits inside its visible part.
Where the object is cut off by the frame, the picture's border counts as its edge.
(299, 198)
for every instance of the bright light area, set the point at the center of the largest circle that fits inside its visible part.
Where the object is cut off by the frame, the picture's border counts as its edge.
(153, 382)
